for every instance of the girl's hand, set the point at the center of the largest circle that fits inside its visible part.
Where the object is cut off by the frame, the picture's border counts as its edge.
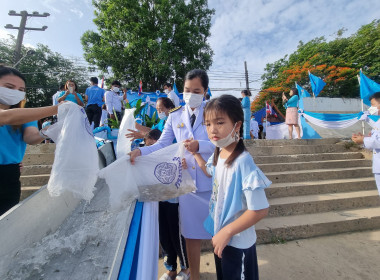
(220, 241)
(184, 163)
(191, 145)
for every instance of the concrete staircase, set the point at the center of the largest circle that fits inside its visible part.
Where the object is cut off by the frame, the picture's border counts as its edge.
(319, 187)
(37, 161)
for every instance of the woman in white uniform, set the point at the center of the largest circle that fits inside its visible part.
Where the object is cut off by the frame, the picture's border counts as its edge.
(186, 125)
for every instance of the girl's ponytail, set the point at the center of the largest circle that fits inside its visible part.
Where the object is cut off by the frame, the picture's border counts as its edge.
(239, 149)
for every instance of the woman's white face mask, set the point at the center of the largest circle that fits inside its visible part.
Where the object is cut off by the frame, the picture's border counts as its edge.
(192, 99)
(11, 96)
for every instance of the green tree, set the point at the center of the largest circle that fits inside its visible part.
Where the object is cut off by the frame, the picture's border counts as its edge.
(337, 62)
(150, 40)
(44, 71)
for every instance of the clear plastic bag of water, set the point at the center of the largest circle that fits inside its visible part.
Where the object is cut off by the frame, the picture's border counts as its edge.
(76, 162)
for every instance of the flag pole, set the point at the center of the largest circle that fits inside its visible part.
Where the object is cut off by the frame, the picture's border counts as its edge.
(361, 102)
(266, 119)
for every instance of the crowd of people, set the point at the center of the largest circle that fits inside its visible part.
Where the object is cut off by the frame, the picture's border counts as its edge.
(230, 197)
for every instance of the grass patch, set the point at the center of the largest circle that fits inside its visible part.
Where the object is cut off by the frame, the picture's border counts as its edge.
(351, 145)
(277, 240)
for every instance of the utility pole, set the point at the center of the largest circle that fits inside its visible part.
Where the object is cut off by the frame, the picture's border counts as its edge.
(246, 75)
(21, 29)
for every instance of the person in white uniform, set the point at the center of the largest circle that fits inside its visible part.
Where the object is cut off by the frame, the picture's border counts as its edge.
(372, 142)
(168, 89)
(254, 128)
(186, 125)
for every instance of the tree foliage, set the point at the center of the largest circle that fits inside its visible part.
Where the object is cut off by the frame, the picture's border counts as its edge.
(149, 40)
(44, 71)
(337, 62)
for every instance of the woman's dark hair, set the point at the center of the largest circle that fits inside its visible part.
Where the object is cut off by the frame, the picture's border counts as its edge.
(5, 70)
(376, 96)
(198, 73)
(116, 83)
(154, 134)
(168, 85)
(231, 106)
(295, 91)
(167, 102)
(67, 87)
(246, 92)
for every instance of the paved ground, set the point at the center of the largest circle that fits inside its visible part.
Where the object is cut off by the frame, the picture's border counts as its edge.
(349, 256)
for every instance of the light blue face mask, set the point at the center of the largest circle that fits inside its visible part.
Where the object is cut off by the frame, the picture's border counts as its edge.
(162, 116)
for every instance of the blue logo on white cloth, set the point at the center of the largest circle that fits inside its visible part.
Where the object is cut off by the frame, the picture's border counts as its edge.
(165, 172)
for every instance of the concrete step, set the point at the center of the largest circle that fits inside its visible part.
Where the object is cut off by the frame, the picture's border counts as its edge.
(306, 157)
(28, 191)
(309, 204)
(279, 229)
(320, 187)
(36, 169)
(319, 174)
(34, 180)
(292, 166)
(284, 142)
(297, 149)
(40, 149)
(38, 159)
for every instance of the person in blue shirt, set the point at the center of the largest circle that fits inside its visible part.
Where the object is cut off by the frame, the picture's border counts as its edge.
(94, 97)
(18, 127)
(246, 105)
(238, 199)
(71, 94)
(291, 118)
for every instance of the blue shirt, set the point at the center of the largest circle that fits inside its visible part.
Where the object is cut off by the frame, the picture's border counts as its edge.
(12, 145)
(292, 102)
(95, 95)
(243, 189)
(70, 97)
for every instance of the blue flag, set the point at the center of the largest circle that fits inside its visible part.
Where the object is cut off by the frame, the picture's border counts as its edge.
(209, 92)
(302, 93)
(367, 88)
(317, 84)
(175, 89)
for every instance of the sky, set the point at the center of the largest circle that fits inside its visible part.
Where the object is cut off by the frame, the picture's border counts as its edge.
(255, 31)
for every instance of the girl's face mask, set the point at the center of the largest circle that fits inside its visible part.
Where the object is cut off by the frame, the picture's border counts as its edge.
(11, 96)
(373, 110)
(228, 140)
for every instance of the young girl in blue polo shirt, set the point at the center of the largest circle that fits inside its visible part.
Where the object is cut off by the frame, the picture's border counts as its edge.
(238, 199)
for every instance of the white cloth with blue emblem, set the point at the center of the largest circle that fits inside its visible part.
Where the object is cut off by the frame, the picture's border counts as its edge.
(155, 177)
